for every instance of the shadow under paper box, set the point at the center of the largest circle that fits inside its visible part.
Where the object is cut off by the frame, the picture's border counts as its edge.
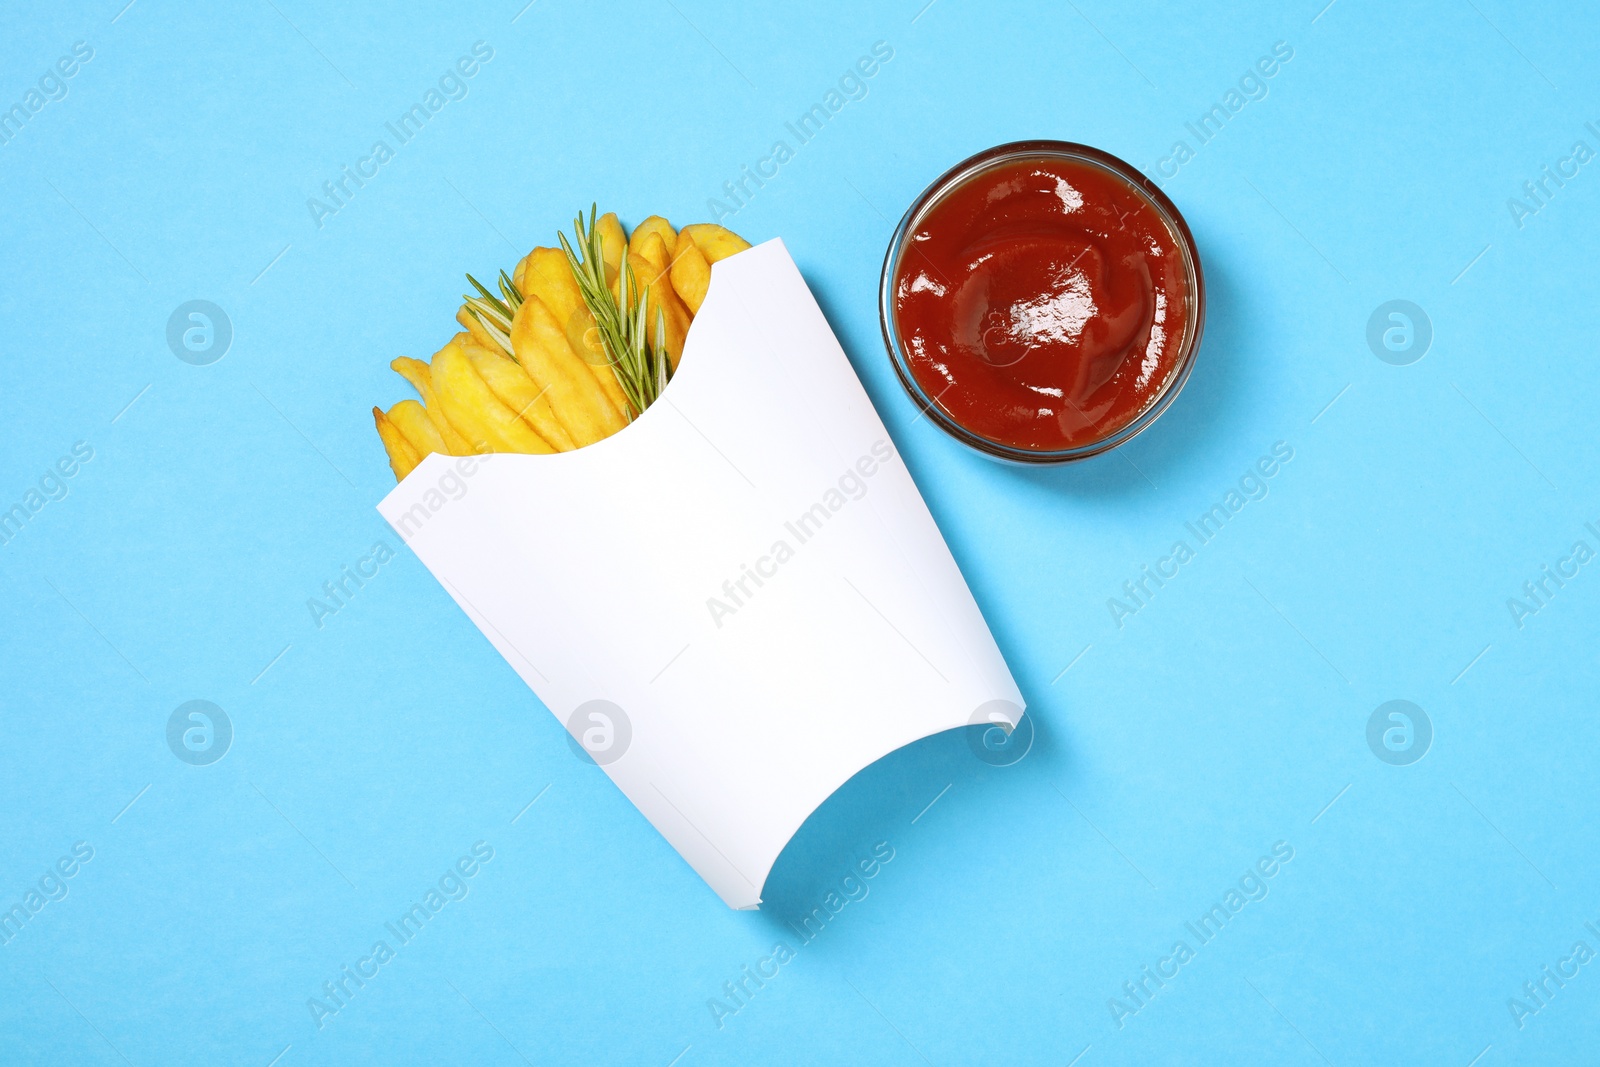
(789, 614)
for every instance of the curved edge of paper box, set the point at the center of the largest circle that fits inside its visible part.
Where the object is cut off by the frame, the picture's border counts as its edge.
(744, 902)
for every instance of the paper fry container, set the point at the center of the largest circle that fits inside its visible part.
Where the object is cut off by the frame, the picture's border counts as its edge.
(735, 603)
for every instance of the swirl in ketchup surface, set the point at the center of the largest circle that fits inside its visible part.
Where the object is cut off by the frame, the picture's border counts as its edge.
(1043, 303)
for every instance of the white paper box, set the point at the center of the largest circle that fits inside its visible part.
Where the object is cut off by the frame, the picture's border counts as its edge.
(614, 573)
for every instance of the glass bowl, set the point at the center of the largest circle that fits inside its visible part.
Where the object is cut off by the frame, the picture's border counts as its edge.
(1132, 180)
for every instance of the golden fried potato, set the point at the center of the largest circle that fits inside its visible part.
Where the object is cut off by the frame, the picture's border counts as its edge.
(402, 457)
(612, 242)
(511, 384)
(648, 253)
(520, 271)
(657, 225)
(691, 274)
(715, 242)
(420, 375)
(542, 349)
(549, 277)
(411, 419)
(474, 409)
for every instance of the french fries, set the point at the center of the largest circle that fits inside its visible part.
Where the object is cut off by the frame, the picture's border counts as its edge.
(534, 369)
(402, 457)
(419, 374)
(486, 423)
(715, 242)
(614, 241)
(412, 420)
(511, 384)
(540, 345)
(650, 264)
(691, 274)
(658, 226)
(549, 277)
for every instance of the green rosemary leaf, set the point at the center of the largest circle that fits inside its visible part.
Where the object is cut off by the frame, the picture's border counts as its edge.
(488, 315)
(492, 325)
(620, 318)
(489, 298)
(509, 290)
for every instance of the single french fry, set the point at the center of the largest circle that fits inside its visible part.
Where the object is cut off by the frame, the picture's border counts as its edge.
(650, 265)
(511, 385)
(480, 336)
(481, 417)
(612, 242)
(549, 277)
(715, 242)
(420, 375)
(402, 457)
(691, 274)
(657, 225)
(579, 402)
(518, 273)
(411, 419)
(648, 249)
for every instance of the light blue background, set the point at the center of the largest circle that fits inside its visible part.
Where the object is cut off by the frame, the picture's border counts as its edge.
(1224, 716)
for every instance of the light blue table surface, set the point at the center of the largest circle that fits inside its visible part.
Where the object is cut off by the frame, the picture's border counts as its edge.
(1175, 746)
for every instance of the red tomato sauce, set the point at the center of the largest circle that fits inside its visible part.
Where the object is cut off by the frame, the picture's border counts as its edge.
(1043, 304)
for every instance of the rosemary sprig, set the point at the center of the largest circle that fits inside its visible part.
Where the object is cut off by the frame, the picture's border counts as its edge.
(508, 289)
(494, 313)
(621, 318)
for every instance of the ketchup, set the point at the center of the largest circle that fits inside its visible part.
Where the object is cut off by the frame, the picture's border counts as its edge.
(1044, 304)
